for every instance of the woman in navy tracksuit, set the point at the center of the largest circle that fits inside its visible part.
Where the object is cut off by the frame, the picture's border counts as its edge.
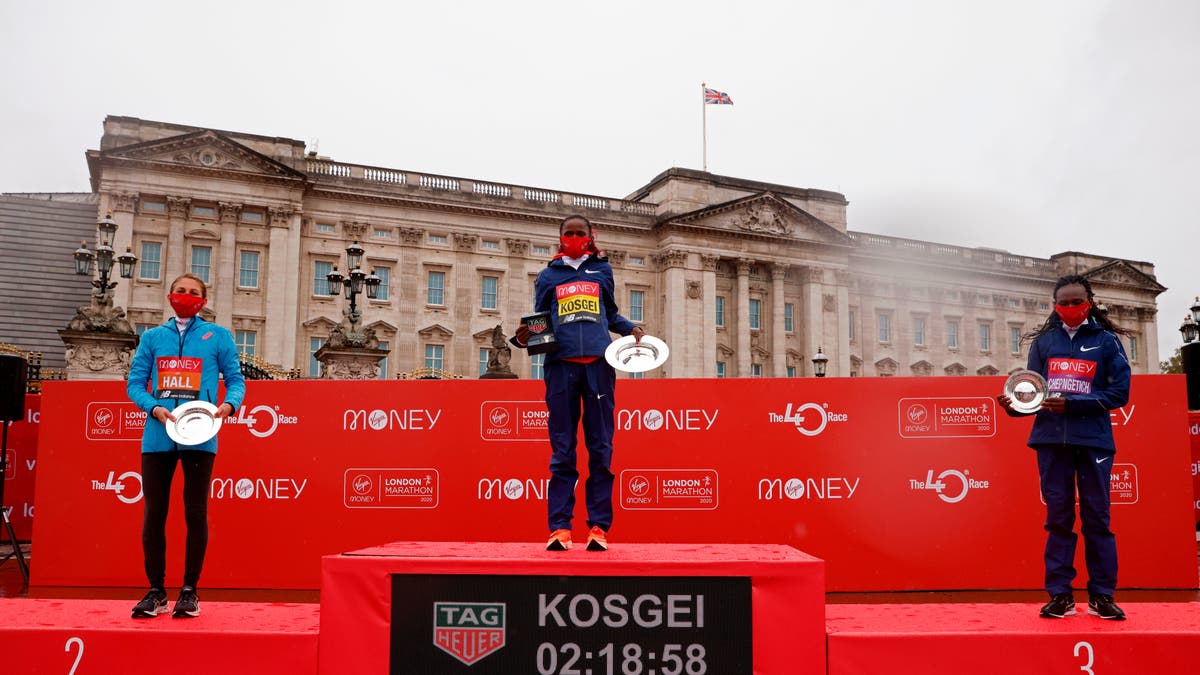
(1079, 353)
(576, 287)
(180, 361)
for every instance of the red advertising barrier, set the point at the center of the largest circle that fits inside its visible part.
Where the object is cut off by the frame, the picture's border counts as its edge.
(897, 483)
(1194, 432)
(21, 468)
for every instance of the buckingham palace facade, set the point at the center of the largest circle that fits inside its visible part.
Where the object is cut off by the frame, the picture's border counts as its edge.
(741, 278)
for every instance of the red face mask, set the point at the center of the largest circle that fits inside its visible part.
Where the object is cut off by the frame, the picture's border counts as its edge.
(574, 247)
(186, 306)
(1073, 315)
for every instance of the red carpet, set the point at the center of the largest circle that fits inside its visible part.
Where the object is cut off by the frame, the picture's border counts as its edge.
(983, 639)
(98, 636)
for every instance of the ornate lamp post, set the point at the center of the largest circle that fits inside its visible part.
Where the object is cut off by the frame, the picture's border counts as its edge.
(104, 257)
(100, 339)
(819, 362)
(351, 352)
(1189, 355)
(352, 285)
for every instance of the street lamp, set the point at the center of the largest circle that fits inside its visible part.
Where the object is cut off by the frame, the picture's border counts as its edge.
(103, 257)
(352, 283)
(1190, 329)
(819, 362)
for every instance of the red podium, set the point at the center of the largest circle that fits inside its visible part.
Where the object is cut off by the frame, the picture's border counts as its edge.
(449, 608)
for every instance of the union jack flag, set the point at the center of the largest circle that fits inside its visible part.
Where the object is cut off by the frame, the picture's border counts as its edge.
(714, 97)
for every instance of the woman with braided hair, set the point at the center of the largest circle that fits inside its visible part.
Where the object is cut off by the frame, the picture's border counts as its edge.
(1079, 353)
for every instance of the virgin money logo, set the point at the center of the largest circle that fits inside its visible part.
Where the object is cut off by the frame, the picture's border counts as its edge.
(667, 419)
(948, 417)
(512, 489)
(391, 488)
(823, 488)
(114, 421)
(917, 413)
(362, 484)
(513, 421)
(103, 417)
(276, 488)
(669, 489)
(639, 486)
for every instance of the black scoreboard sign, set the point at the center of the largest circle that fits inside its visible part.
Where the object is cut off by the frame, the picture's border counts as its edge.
(556, 625)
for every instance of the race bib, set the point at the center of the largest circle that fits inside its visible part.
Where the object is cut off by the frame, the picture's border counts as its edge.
(1071, 376)
(179, 377)
(578, 301)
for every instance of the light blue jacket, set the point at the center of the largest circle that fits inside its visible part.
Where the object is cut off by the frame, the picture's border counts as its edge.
(201, 339)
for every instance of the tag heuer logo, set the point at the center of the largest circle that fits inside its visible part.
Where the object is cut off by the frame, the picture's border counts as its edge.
(468, 631)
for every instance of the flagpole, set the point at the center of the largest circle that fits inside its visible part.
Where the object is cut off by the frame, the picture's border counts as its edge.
(704, 128)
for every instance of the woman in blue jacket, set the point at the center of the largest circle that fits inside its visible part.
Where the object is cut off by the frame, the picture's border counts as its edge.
(179, 361)
(1079, 353)
(576, 287)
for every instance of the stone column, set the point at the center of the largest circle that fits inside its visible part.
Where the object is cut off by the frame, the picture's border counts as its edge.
(517, 300)
(778, 328)
(466, 292)
(123, 205)
(708, 292)
(814, 315)
(743, 317)
(296, 266)
(227, 263)
(839, 361)
(408, 299)
(675, 324)
(281, 310)
(178, 209)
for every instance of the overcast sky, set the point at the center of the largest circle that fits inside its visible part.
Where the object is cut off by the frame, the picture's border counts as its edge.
(1032, 126)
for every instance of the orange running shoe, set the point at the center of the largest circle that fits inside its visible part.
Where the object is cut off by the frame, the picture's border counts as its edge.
(560, 540)
(597, 539)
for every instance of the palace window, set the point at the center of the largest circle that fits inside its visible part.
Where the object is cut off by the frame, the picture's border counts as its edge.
(636, 303)
(202, 261)
(436, 291)
(151, 260)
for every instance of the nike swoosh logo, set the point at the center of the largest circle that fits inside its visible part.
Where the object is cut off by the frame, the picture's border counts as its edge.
(1103, 460)
(600, 396)
(591, 271)
(1088, 349)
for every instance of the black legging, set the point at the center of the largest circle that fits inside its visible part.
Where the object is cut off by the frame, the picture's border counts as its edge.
(158, 468)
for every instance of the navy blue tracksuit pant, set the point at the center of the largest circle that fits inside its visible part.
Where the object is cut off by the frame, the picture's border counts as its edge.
(1062, 468)
(569, 384)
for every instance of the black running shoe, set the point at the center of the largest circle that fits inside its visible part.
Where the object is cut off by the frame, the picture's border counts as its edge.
(152, 605)
(1059, 606)
(1104, 607)
(188, 605)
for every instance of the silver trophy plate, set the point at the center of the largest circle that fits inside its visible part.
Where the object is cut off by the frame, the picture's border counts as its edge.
(1026, 389)
(195, 422)
(628, 355)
